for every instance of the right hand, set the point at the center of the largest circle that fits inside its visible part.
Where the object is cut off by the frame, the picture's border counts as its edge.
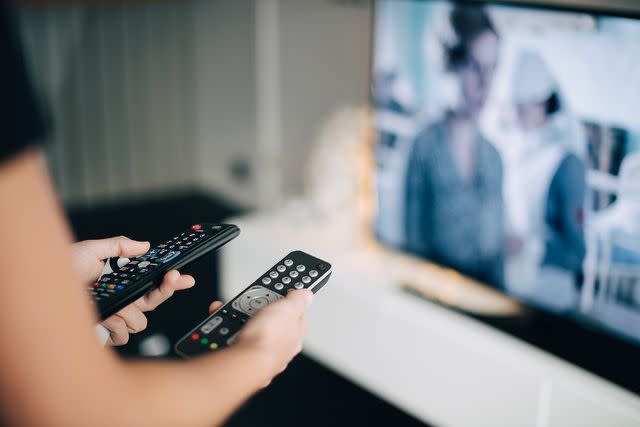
(277, 331)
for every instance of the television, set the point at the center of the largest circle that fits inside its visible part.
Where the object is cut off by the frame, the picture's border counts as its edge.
(508, 149)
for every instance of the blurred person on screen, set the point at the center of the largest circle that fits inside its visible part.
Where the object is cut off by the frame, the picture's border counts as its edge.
(545, 188)
(454, 206)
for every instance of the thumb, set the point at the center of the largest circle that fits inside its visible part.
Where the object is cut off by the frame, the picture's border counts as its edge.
(300, 300)
(118, 246)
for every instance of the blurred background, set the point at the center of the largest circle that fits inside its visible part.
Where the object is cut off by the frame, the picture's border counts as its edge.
(168, 113)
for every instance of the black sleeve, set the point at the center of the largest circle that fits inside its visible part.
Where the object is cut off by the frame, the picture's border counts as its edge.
(21, 123)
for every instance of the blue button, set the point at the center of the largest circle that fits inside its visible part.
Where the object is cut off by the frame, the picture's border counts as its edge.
(168, 257)
(119, 288)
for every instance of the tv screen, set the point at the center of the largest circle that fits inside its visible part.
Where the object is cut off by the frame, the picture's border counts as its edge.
(508, 149)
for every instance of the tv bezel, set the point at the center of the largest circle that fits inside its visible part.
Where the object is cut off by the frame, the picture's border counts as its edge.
(596, 349)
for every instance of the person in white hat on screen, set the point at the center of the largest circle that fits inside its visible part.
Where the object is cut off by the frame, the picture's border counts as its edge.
(544, 190)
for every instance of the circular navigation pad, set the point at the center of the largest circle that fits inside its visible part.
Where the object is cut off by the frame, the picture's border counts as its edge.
(255, 298)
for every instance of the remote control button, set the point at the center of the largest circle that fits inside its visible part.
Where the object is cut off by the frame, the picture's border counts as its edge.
(288, 262)
(300, 268)
(298, 285)
(279, 286)
(195, 337)
(294, 274)
(281, 268)
(204, 341)
(111, 286)
(211, 324)
(224, 331)
(119, 288)
(266, 280)
(306, 280)
(255, 298)
(168, 257)
(196, 227)
(273, 274)
(144, 264)
(213, 346)
(321, 266)
(286, 280)
(313, 273)
(258, 303)
(232, 339)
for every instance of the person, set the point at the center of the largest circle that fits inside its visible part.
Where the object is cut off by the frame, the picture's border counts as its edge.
(454, 206)
(53, 370)
(545, 188)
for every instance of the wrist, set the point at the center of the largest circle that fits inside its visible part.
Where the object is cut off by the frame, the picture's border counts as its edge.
(263, 363)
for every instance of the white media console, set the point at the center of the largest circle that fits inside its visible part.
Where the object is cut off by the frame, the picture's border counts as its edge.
(436, 364)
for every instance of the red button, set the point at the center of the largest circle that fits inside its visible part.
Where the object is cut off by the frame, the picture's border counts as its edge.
(196, 227)
(95, 285)
(195, 337)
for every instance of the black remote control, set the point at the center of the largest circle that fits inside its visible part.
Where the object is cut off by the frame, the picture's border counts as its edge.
(126, 283)
(298, 270)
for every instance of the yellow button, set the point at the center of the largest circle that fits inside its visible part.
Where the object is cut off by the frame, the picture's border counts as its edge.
(111, 286)
(213, 346)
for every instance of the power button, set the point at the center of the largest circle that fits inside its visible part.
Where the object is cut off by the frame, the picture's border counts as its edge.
(196, 227)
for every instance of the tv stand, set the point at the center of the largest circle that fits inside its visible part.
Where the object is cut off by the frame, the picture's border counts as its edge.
(437, 364)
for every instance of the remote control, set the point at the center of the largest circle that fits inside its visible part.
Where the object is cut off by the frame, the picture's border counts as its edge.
(125, 280)
(298, 270)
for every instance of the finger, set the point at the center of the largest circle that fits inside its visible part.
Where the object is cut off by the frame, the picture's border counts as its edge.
(134, 319)
(173, 281)
(117, 246)
(118, 330)
(215, 306)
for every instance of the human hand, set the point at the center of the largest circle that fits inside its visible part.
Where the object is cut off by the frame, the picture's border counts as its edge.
(89, 256)
(276, 331)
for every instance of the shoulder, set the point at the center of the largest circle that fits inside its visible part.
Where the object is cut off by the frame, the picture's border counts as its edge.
(570, 174)
(571, 164)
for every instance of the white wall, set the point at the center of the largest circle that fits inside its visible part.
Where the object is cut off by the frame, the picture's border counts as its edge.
(325, 51)
(156, 97)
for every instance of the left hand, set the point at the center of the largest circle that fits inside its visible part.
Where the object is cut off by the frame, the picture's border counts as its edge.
(89, 256)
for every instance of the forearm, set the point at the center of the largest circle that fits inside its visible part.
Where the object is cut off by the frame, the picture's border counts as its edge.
(52, 370)
(202, 392)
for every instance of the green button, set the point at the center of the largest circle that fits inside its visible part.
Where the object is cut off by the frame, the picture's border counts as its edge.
(204, 340)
